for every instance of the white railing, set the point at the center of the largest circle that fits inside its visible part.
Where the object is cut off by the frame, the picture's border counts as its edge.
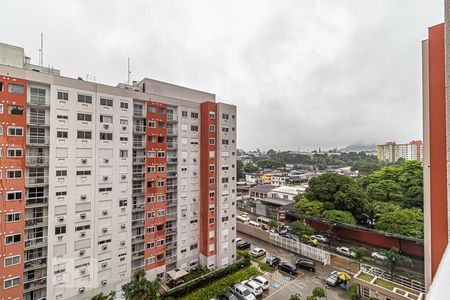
(37, 140)
(139, 129)
(37, 160)
(139, 159)
(300, 248)
(35, 180)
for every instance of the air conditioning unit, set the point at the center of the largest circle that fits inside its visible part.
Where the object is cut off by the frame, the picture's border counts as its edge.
(82, 234)
(60, 219)
(122, 243)
(83, 197)
(106, 126)
(124, 127)
(84, 160)
(105, 230)
(105, 212)
(105, 177)
(106, 160)
(82, 252)
(104, 247)
(81, 289)
(194, 213)
(60, 238)
(104, 264)
(83, 216)
(83, 270)
(122, 258)
(124, 176)
(104, 282)
(225, 185)
(122, 226)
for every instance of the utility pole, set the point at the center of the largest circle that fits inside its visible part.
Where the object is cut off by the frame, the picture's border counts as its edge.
(41, 51)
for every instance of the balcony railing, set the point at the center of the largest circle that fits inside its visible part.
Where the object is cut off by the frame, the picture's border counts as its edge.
(138, 238)
(35, 264)
(139, 129)
(38, 221)
(37, 160)
(171, 202)
(139, 254)
(36, 202)
(36, 180)
(138, 191)
(35, 284)
(138, 223)
(172, 146)
(171, 217)
(36, 242)
(40, 120)
(37, 140)
(172, 174)
(171, 118)
(172, 131)
(139, 144)
(138, 113)
(171, 230)
(139, 175)
(36, 99)
(138, 207)
(172, 160)
(171, 187)
(138, 159)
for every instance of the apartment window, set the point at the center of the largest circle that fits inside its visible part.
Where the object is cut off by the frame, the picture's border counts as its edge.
(225, 116)
(161, 198)
(224, 168)
(160, 257)
(106, 119)
(151, 199)
(9, 283)
(151, 109)
(12, 260)
(212, 141)
(211, 220)
(60, 229)
(61, 134)
(123, 105)
(60, 193)
(13, 217)
(161, 124)
(62, 117)
(106, 136)
(194, 128)
(159, 243)
(15, 131)
(123, 202)
(1, 86)
(1, 130)
(11, 152)
(151, 245)
(16, 89)
(161, 154)
(105, 189)
(82, 227)
(152, 124)
(224, 219)
(184, 114)
(152, 139)
(212, 115)
(212, 154)
(123, 122)
(123, 139)
(225, 129)
(84, 117)
(15, 110)
(212, 168)
(161, 213)
(106, 102)
(160, 139)
(83, 172)
(150, 260)
(211, 194)
(225, 142)
(225, 180)
(11, 196)
(150, 214)
(161, 183)
(84, 98)
(194, 246)
(161, 169)
(87, 135)
(161, 111)
(123, 153)
(212, 128)
(211, 180)
(194, 115)
(61, 173)
(63, 95)
(233, 117)
(151, 154)
(151, 169)
(1, 108)
(11, 239)
(13, 174)
(151, 229)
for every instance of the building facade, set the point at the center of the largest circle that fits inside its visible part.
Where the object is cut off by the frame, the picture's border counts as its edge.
(98, 181)
(391, 151)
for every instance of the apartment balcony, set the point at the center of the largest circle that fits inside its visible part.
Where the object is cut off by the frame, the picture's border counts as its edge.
(138, 175)
(172, 160)
(139, 129)
(138, 144)
(37, 140)
(139, 254)
(138, 223)
(171, 246)
(171, 188)
(172, 145)
(35, 264)
(138, 207)
(36, 243)
(38, 120)
(36, 202)
(138, 238)
(36, 222)
(171, 118)
(172, 132)
(35, 284)
(138, 160)
(37, 161)
(37, 99)
(171, 217)
(171, 259)
(172, 174)
(36, 181)
(138, 191)
(139, 113)
(171, 231)
(171, 202)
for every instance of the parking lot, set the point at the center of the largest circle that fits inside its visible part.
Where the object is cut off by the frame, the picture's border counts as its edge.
(283, 285)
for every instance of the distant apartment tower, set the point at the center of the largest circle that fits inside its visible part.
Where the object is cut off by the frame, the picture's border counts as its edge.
(391, 151)
(98, 181)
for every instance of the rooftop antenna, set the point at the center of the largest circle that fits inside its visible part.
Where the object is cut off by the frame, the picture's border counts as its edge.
(41, 51)
(129, 71)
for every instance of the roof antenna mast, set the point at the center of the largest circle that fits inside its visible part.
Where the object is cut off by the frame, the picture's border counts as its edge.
(129, 71)
(41, 51)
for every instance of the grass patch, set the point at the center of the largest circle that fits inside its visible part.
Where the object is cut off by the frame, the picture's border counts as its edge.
(220, 286)
(366, 277)
(195, 274)
(391, 285)
(262, 265)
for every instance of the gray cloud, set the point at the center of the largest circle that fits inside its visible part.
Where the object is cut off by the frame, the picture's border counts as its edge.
(302, 73)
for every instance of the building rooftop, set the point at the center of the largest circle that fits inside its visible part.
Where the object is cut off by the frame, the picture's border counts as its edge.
(278, 201)
(262, 188)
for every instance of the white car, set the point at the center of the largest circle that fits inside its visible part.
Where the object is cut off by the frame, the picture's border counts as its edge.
(346, 251)
(378, 255)
(238, 240)
(320, 238)
(253, 287)
(257, 252)
(264, 283)
(242, 292)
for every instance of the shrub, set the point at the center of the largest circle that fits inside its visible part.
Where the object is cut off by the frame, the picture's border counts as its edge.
(352, 292)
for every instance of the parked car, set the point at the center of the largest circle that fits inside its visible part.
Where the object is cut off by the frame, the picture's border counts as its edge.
(243, 219)
(263, 282)
(346, 251)
(238, 240)
(241, 292)
(309, 240)
(378, 255)
(227, 296)
(243, 245)
(287, 267)
(253, 287)
(273, 261)
(306, 264)
(257, 252)
(320, 238)
(333, 279)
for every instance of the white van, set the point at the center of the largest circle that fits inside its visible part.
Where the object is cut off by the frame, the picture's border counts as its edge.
(243, 219)
(254, 224)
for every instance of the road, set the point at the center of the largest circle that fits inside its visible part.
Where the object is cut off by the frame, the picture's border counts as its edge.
(282, 286)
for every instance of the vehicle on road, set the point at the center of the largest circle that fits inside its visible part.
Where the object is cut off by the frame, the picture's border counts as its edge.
(254, 224)
(253, 287)
(227, 296)
(306, 264)
(243, 219)
(346, 252)
(320, 238)
(273, 261)
(257, 252)
(287, 267)
(378, 255)
(243, 245)
(263, 282)
(309, 240)
(241, 292)
(333, 279)
(238, 240)
(264, 222)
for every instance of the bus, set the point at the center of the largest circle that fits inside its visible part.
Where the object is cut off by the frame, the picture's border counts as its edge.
(264, 222)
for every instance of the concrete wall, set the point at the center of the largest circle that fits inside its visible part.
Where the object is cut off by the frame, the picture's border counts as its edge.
(253, 231)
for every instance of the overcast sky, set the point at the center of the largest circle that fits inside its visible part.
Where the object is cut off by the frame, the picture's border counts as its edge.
(302, 73)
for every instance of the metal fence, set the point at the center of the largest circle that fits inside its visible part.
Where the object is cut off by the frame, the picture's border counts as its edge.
(300, 248)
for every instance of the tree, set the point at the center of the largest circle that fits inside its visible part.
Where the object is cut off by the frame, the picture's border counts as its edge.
(239, 169)
(372, 212)
(405, 222)
(361, 253)
(352, 292)
(318, 293)
(300, 229)
(352, 199)
(385, 190)
(324, 187)
(139, 288)
(101, 296)
(394, 259)
(339, 216)
(387, 207)
(273, 224)
(295, 297)
(306, 207)
(413, 197)
(250, 168)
